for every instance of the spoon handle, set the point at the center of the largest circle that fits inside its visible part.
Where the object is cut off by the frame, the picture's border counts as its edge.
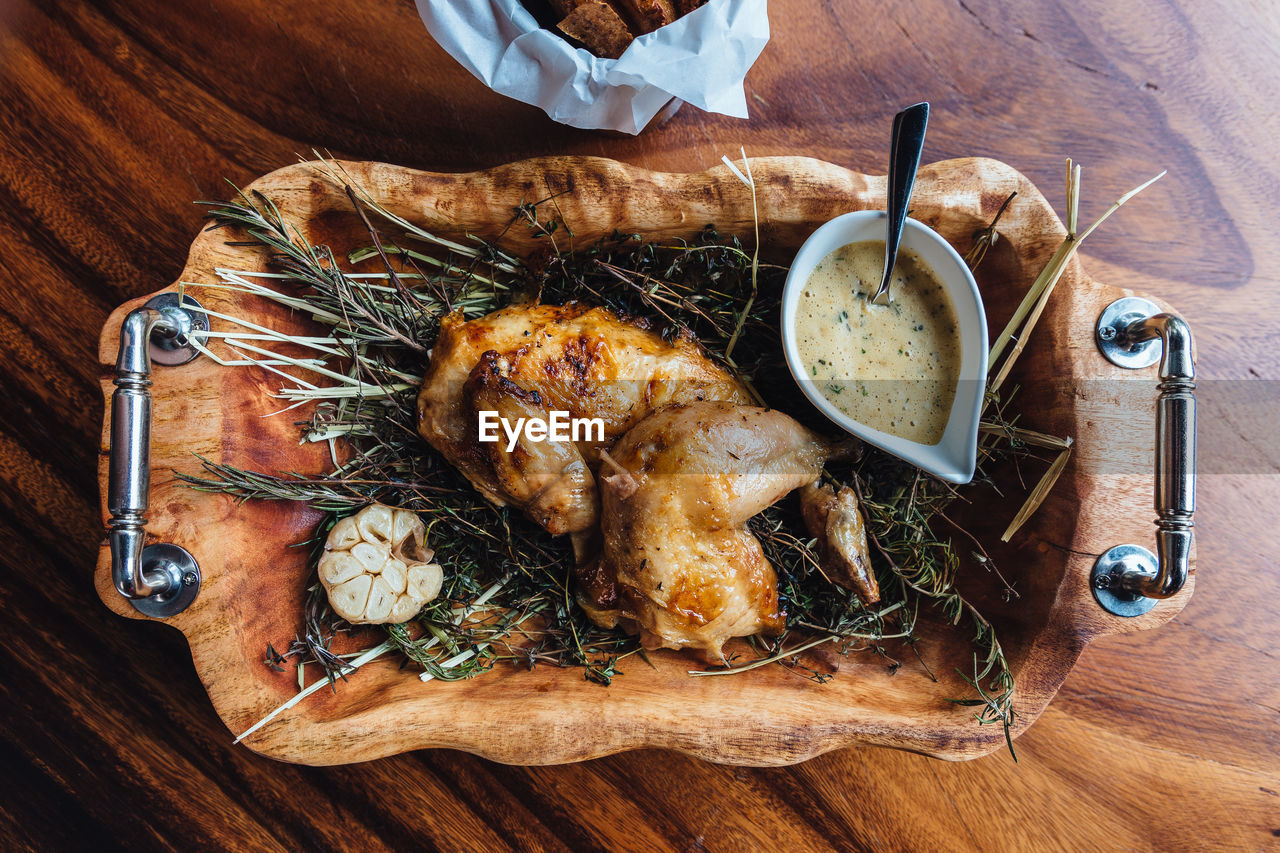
(904, 159)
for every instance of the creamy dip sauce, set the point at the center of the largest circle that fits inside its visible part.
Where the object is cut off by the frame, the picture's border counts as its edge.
(891, 367)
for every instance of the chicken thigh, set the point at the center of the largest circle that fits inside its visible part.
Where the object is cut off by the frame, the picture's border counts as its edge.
(530, 360)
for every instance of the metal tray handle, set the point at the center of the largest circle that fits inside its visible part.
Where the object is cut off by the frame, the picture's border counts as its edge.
(1134, 333)
(160, 579)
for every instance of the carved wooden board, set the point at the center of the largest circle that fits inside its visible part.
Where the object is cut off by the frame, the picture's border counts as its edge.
(253, 580)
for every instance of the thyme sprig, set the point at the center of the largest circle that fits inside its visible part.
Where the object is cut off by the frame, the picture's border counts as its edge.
(900, 527)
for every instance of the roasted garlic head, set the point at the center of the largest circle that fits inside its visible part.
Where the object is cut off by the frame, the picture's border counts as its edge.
(376, 568)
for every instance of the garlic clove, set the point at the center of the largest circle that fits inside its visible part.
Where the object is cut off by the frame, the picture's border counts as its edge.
(375, 523)
(338, 567)
(405, 525)
(343, 536)
(411, 551)
(371, 555)
(349, 599)
(425, 581)
(405, 609)
(381, 600)
(395, 575)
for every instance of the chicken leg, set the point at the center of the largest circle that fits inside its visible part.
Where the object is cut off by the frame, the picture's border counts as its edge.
(678, 564)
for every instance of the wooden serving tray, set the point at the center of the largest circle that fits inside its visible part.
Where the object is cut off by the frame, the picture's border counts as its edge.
(253, 581)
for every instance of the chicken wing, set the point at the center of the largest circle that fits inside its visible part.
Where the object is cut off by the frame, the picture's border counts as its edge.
(835, 520)
(678, 564)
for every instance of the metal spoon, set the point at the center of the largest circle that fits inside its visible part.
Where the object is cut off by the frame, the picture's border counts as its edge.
(904, 159)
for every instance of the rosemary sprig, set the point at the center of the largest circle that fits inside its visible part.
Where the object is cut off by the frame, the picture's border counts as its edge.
(328, 493)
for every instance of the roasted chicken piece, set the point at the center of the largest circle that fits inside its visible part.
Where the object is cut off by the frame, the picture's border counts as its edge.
(835, 520)
(678, 564)
(530, 360)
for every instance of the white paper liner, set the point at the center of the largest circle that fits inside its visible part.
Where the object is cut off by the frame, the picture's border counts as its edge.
(702, 58)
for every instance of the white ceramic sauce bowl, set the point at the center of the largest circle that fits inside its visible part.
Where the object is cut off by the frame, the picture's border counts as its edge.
(954, 458)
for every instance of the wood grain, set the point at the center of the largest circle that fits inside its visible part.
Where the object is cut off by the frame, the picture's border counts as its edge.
(766, 717)
(117, 113)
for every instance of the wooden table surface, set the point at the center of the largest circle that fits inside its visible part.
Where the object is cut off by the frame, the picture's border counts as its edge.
(114, 116)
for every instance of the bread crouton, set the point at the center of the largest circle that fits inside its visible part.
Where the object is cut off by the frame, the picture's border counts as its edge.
(597, 25)
(645, 16)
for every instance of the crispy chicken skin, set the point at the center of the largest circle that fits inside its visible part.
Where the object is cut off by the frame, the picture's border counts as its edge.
(677, 563)
(529, 360)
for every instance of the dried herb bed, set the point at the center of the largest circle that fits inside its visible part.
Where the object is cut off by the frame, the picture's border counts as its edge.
(508, 598)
